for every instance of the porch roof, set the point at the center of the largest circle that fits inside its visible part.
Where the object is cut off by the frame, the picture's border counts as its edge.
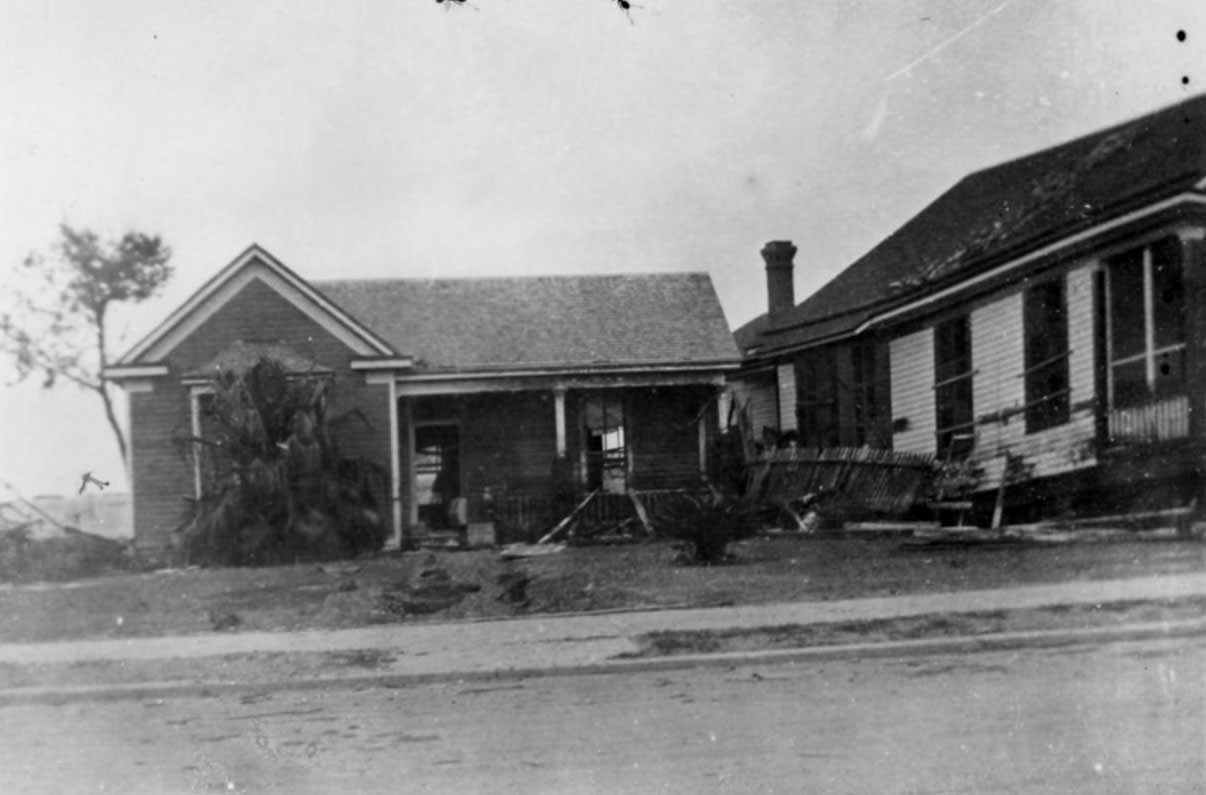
(544, 322)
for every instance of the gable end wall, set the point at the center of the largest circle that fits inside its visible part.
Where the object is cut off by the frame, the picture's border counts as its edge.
(162, 478)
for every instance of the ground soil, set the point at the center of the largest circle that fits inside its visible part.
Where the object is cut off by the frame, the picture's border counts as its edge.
(763, 570)
(934, 625)
(290, 667)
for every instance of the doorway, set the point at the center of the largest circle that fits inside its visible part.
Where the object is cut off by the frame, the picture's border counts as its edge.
(437, 472)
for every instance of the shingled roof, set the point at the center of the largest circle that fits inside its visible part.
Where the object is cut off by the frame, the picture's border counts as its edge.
(992, 216)
(543, 321)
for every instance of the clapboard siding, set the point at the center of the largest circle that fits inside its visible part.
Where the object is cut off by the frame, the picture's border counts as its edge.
(998, 358)
(912, 366)
(1080, 333)
(1068, 447)
(787, 397)
(759, 398)
(998, 340)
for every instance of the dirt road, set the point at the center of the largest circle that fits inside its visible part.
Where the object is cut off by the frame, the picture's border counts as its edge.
(1123, 718)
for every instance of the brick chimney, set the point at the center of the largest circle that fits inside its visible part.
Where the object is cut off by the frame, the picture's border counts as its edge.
(780, 281)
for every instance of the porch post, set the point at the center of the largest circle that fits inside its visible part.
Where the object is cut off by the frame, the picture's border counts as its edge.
(559, 419)
(395, 476)
(412, 504)
(1193, 268)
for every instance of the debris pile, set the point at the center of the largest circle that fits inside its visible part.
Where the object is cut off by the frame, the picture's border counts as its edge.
(68, 555)
(431, 591)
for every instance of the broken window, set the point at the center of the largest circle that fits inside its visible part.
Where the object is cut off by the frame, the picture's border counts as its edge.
(953, 387)
(606, 452)
(1046, 326)
(1147, 324)
(816, 399)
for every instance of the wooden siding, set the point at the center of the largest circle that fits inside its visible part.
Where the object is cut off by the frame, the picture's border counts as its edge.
(998, 349)
(786, 377)
(912, 366)
(161, 471)
(508, 441)
(998, 389)
(664, 436)
(760, 399)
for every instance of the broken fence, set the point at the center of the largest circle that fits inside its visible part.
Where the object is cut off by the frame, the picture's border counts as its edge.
(878, 481)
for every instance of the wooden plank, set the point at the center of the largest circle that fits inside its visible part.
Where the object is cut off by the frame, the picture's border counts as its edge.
(951, 505)
(640, 512)
(564, 523)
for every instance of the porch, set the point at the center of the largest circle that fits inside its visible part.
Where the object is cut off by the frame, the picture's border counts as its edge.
(1150, 457)
(522, 458)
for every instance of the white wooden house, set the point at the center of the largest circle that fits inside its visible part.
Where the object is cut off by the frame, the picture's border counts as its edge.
(1049, 312)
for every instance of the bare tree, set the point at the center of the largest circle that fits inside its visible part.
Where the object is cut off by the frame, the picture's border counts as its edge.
(53, 323)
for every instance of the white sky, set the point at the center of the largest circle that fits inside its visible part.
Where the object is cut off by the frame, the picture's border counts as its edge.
(404, 138)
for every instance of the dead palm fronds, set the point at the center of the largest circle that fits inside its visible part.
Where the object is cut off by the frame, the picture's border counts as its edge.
(274, 486)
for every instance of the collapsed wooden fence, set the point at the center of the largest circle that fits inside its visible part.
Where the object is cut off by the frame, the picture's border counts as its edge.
(881, 482)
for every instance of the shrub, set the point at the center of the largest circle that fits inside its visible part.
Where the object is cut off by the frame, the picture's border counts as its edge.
(707, 525)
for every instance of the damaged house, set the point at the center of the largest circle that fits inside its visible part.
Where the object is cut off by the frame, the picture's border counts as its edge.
(1043, 321)
(491, 400)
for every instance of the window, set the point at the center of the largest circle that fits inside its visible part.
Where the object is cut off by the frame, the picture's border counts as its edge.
(816, 399)
(212, 465)
(606, 453)
(863, 365)
(1046, 327)
(953, 387)
(1146, 324)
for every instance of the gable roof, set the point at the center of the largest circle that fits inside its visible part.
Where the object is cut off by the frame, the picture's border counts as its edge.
(253, 263)
(1002, 212)
(544, 321)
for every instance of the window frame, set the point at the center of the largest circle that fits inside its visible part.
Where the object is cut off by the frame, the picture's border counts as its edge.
(1046, 334)
(864, 369)
(1151, 349)
(617, 459)
(954, 385)
(817, 421)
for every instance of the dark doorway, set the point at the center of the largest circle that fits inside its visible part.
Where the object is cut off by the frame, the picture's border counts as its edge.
(437, 472)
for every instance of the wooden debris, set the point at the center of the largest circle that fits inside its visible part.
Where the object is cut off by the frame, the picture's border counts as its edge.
(564, 523)
(640, 512)
(520, 550)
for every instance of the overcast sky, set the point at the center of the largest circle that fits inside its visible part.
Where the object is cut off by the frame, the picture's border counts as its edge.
(405, 138)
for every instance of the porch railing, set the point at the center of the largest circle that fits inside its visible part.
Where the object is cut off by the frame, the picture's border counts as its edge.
(529, 514)
(1159, 421)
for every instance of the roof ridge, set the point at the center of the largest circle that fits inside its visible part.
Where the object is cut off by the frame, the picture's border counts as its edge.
(513, 277)
(1006, 208)
(1084, 138)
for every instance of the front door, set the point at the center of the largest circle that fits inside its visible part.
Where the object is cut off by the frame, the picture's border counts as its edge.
(437, 472)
